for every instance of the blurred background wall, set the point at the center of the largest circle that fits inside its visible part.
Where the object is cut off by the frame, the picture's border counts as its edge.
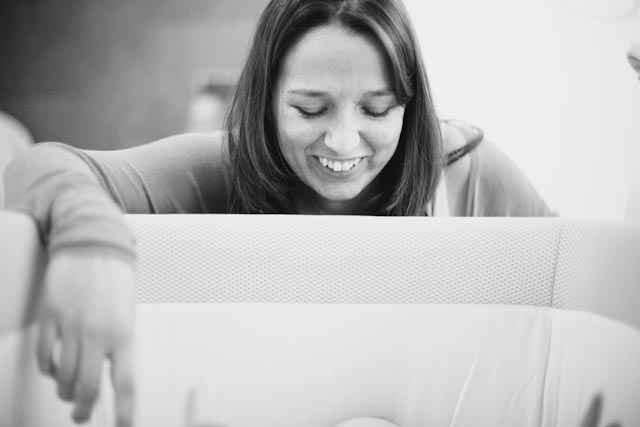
(117, 73)
(547, 80)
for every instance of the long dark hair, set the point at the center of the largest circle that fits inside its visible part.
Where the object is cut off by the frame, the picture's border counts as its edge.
(262, 181)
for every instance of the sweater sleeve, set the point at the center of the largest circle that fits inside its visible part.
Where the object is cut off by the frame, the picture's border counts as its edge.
(497, 187)
(77, 197)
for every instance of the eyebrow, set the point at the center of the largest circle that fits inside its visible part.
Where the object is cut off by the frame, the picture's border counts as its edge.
(319, 94)
(307, 92)
(381, 92)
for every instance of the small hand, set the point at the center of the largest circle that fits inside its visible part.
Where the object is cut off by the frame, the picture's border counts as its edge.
(594, 413)
(87, 317)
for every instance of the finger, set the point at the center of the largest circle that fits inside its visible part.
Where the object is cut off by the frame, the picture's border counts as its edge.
(592, 417)
(122, 378)
(66, 375)
(47, 336)
(88, 380)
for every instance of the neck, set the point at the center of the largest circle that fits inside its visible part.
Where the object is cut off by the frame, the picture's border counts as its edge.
(308, 202)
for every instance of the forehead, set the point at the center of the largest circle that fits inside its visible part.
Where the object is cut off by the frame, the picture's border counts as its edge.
(333, 58)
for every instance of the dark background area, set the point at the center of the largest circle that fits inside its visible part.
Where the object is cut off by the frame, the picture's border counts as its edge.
(117, 73)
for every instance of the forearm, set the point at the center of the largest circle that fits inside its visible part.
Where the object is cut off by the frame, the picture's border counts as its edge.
(66, 199)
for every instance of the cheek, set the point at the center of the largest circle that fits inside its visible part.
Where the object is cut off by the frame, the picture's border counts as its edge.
(385, 136)
(295, 135)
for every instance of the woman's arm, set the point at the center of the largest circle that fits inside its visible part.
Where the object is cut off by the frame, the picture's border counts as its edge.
(77, 198)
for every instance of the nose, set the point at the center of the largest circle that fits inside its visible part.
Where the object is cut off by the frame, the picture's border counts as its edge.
(343, 136)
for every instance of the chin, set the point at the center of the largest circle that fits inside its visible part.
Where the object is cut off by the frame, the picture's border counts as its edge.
(340, 195)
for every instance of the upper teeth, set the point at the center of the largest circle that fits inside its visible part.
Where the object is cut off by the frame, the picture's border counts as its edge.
(338, 166)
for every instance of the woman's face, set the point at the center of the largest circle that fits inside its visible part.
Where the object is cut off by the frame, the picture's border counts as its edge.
(338, 121)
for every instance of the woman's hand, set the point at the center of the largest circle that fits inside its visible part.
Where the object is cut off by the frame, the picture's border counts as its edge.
(86, 317)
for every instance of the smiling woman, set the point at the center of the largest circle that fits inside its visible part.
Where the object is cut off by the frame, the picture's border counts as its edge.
(338, 121)
(341, 73)
(332, 114)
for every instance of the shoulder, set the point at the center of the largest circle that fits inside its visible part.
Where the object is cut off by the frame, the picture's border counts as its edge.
(459, 139)
(191, 159)
(494, 166)
(204, 142)
(183, 149)
(498, 187)
(185, 172)
(456, 134)
(483, 180)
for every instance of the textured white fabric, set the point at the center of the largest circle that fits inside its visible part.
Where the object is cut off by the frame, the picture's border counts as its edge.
(300, 320)
(598, 269)
(290, 365)
(418, 365)
(370, 260)
(316, 259)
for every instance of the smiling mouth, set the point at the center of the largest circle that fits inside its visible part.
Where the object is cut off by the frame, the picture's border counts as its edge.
(339, 165)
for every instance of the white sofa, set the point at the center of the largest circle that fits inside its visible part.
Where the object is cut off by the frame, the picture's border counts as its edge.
(307, 321)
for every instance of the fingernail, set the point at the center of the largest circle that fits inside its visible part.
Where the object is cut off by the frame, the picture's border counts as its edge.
(80, 416)
(56, 355)
(65, 393)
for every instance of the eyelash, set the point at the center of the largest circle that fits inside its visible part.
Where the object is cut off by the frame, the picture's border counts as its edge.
(313, 115)
(384, 113)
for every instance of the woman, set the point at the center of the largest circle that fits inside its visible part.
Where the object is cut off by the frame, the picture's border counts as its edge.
(332, 114)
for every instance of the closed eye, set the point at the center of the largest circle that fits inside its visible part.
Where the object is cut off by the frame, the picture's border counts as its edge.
(377, 114)
(311, 114)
